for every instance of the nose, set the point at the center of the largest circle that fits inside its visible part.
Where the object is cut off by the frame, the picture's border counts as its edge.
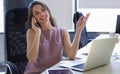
(41, 13)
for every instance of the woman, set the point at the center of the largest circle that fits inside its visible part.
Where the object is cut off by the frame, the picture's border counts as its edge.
(45, 41)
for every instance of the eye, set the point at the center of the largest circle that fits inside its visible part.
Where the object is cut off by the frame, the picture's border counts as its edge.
(43, 9)
(36, 13)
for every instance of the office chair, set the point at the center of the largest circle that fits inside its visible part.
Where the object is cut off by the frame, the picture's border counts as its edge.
(118, 24)
(15, 39)
(84, 37)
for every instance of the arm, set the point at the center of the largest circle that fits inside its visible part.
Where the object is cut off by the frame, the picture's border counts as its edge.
(71, 48)
(33, 38)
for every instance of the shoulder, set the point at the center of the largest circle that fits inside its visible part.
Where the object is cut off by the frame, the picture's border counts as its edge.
(60, 29)
(64, 32)
(30, 32)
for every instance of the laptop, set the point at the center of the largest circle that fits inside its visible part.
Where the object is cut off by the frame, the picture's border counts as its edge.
(99, 54)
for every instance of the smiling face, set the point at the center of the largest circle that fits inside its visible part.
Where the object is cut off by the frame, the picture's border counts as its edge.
(40, 13)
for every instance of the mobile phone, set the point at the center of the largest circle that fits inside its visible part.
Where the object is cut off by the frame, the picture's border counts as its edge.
(59, 71)
(36, 23)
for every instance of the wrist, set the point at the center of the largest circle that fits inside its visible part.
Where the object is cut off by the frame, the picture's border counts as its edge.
(78, 30)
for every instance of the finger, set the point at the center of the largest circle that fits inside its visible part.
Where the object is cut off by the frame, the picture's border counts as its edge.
(87, 16)
(32, 20)
(81, 18)
(85, 19)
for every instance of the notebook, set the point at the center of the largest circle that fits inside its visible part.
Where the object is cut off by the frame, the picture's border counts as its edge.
(100, 52)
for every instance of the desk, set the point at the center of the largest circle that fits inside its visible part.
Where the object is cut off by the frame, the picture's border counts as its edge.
(113, 67)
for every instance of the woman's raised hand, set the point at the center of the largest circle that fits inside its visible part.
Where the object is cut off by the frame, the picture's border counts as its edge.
(82, 22)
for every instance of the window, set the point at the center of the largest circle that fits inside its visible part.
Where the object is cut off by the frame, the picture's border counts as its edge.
(103, 14)
(101, 19)
(1, 17)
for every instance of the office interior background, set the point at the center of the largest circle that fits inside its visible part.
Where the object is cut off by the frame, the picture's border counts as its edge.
(103, 17)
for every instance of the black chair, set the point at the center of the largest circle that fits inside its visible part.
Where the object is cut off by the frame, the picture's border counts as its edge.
(15, 37)
(84, 37)
(118, 24)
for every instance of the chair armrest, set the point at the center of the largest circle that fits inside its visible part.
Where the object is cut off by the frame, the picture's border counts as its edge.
(12, 68)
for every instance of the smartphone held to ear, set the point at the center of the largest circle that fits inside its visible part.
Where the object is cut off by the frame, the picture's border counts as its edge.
(36, 24)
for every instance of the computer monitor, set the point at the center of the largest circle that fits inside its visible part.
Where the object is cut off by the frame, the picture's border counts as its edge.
(118, 24)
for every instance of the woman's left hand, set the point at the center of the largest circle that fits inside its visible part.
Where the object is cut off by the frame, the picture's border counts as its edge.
(82, 22)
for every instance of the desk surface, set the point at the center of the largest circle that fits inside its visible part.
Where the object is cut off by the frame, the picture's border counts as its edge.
(113, 67)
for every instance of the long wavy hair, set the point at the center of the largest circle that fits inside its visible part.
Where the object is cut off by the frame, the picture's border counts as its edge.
(30, 7)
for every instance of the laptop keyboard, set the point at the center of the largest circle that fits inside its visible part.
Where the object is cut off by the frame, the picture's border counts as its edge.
(80, 66)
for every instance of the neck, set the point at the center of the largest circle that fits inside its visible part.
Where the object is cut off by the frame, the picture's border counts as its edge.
(47, 26)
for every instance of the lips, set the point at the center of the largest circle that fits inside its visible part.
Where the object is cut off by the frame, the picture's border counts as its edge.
(43, 17)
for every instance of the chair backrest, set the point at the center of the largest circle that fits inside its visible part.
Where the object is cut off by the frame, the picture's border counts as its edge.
(118, 24)
(84, 38)
(15, 34)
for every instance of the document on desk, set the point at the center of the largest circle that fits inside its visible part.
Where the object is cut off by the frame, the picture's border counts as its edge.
(83, 52)
(69, 63)
(80, 58)
(116, 52)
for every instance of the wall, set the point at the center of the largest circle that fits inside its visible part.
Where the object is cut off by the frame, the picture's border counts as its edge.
(10, 4)
(62, 10)
(2, 47)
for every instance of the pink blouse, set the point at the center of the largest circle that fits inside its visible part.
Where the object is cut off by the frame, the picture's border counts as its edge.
(50, 51)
